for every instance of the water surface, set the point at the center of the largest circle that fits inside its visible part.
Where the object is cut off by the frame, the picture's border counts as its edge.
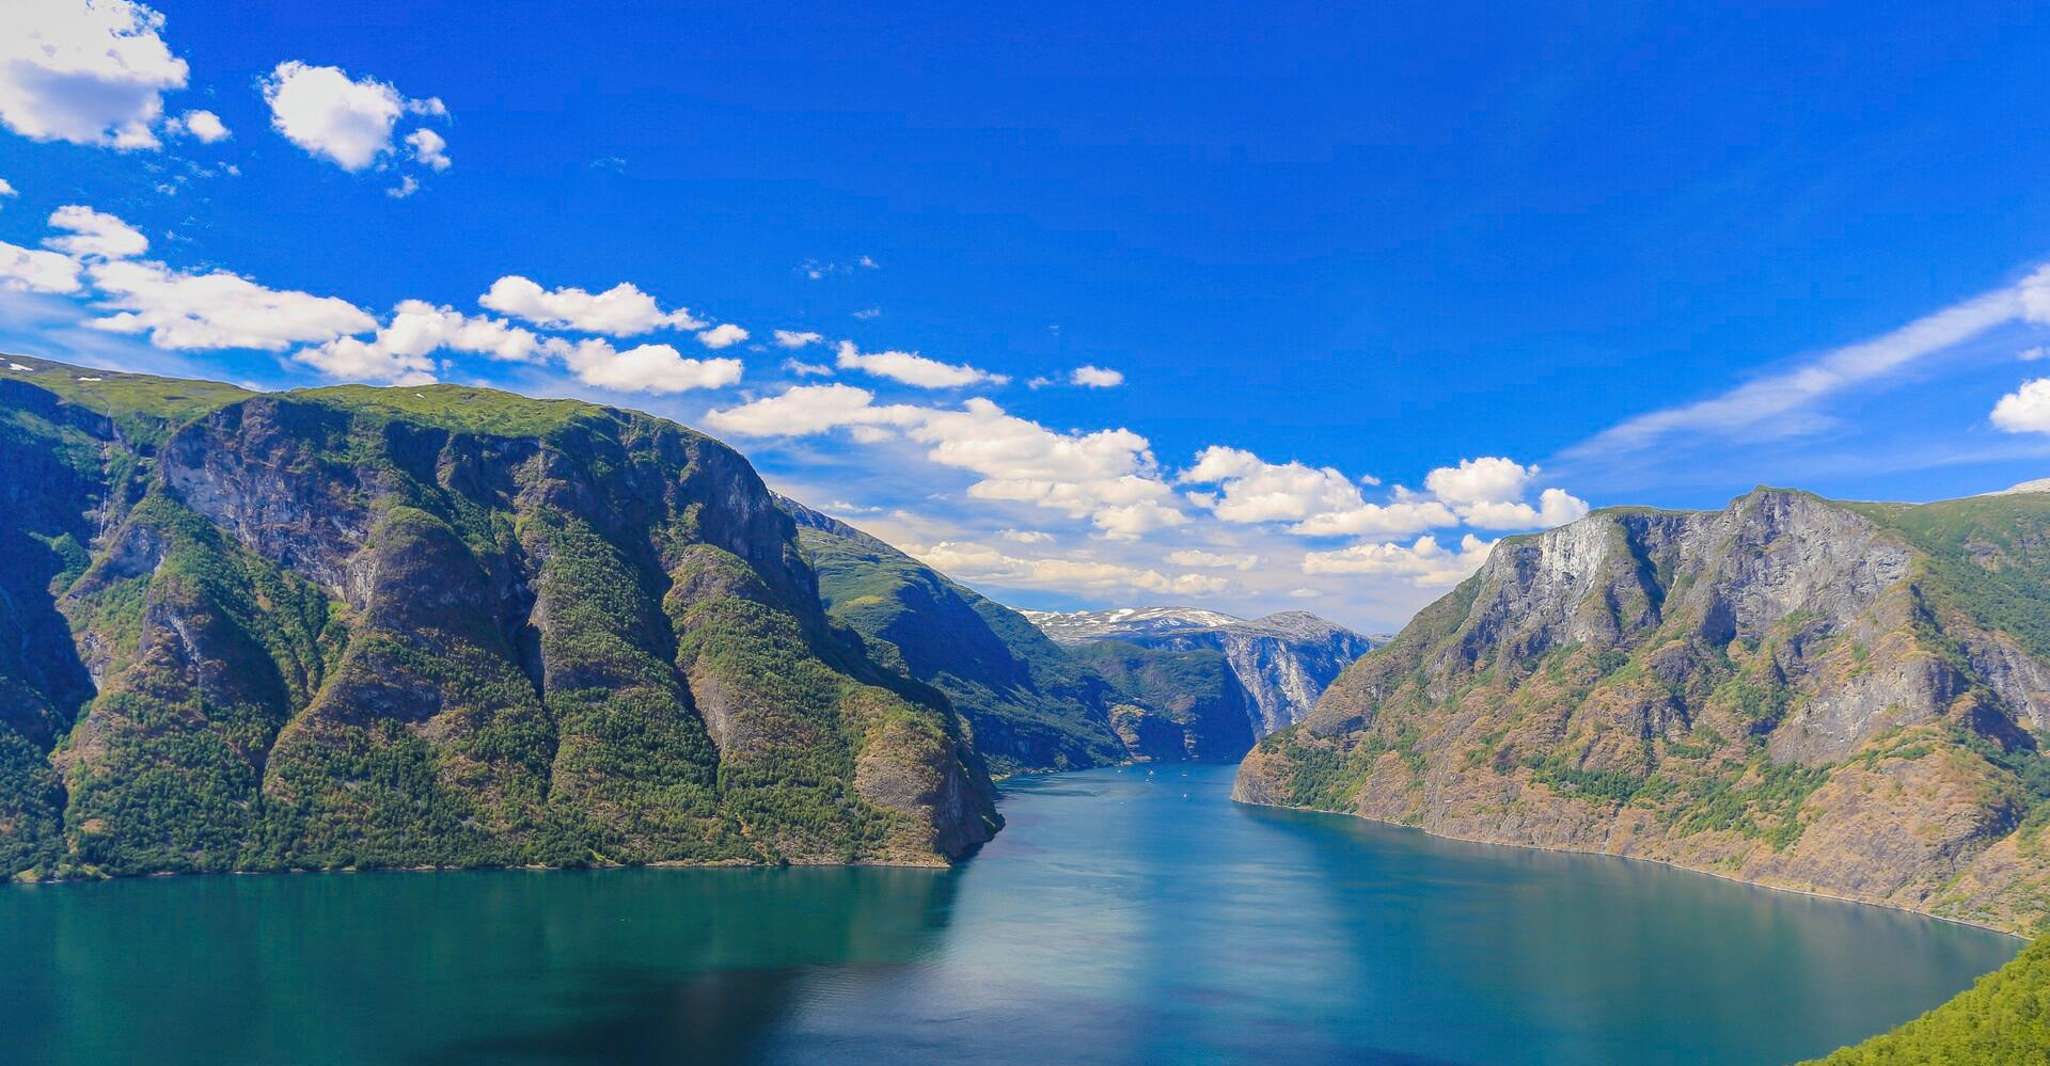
(1121, 917)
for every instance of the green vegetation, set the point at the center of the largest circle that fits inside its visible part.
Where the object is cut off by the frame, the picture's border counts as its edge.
(457, 408)
(1767, 688)
(1028, 704)
(1989, 557)
(2003, 1020)
(1184, 704)
(427, 626)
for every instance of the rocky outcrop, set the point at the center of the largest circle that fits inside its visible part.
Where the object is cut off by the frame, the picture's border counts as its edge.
(429, 627)
(1281, 662)
(1838, 698)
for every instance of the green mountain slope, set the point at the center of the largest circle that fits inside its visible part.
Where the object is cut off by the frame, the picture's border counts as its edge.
(1030, 704)
(427, 626)
(1182, 706)
(1842, 698)
(2003, 1020)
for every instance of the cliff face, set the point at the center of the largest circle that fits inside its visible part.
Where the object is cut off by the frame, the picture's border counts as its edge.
(1845, 698)
(1029, 703)
(1173, 706)
(1282, 662)
(427, 626)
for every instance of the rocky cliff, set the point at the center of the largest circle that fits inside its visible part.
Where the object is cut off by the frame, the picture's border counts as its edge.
(1834, 697)
(1281, 662)
(427, 626)
(1029, 703)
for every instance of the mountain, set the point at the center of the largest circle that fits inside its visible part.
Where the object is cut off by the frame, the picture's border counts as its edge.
(1029, 703)
(2001, 1020)
(1173, 706)
(1282, 661)
(427, 626)
(1845, 698)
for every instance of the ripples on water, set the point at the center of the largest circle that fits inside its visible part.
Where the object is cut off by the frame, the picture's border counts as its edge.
(1120, 917)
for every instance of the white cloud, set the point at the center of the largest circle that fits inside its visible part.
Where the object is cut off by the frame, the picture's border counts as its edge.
(1025, 536)
(94, 233)
(429, 148)
(87, 73)
(804, 410)
(620, 311)
(1487, 493)
(216, 310)
(2026, 355)
(656, 368)
(722, 336)
(1486, 480)
(34, 270)
(407, 186)
(399, 351)
(1095, 377)
(1253, 490)
(333, 116)
(353, 359)
(2026, 409)
(1425, 563)
(1396, 519)
(1319, 501)
(807, 370)
(6, 189)
(790, 338)
(867, 313)
(1556, 507)
(1779, 404)
(969, 561)
(1213, 560)
(914, 369)
(1108, 476)
(203, 126)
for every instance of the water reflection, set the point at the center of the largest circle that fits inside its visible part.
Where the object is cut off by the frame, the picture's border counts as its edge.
(1121, 917)
(641, 965)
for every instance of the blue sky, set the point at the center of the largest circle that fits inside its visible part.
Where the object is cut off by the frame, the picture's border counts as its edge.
(1628, 254)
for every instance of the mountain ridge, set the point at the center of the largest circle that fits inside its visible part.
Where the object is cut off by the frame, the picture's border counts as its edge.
(1838, 697)
(1031, 704)
(1282, 661)
(427, 626)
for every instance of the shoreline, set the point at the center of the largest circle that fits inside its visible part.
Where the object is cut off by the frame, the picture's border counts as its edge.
(1814, 893)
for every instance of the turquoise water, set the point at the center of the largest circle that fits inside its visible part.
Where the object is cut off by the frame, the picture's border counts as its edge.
(1121, 917)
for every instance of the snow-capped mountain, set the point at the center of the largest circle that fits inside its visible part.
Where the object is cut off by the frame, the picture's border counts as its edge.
(1283, 660)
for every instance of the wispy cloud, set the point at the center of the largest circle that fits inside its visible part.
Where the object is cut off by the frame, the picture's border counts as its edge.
(1787, 403)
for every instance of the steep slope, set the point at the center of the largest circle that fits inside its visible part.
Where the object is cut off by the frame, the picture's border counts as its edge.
(1283, 662)
(1175, 706)
(1842, 698)
(427, 626)
(2003, 1020)
(1027, 704)
(1030, 704)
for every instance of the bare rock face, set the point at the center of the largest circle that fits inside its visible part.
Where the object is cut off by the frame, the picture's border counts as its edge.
(1281, 662)
(1841, 698)
(430, 626)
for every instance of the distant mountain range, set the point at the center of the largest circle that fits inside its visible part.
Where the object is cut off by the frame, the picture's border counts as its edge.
(1282, 662)
(1028, 703)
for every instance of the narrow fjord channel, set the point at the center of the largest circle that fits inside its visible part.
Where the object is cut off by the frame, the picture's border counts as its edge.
(1122, 916)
